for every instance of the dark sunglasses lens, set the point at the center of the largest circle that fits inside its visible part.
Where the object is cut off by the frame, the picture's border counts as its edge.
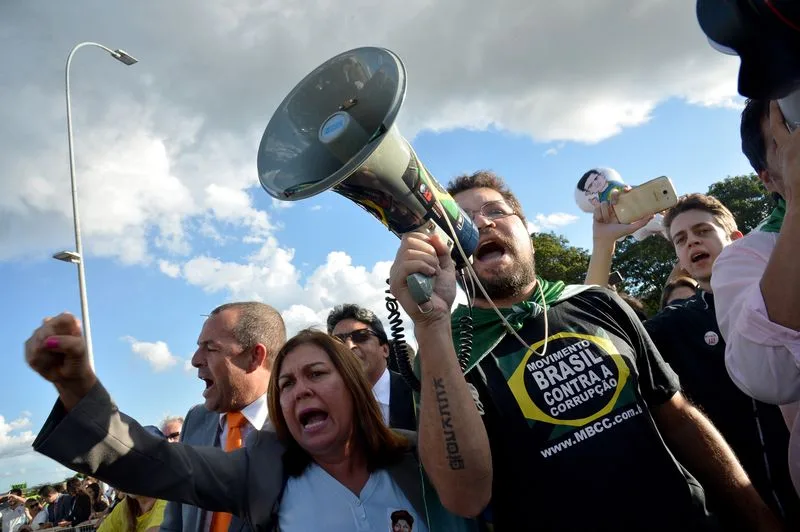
(360, 336)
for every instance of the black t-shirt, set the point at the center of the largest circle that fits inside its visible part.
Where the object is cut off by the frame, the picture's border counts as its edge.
(574, 446)
(689, 339)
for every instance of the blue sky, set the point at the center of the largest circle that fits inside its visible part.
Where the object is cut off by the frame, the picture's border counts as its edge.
(175, 223)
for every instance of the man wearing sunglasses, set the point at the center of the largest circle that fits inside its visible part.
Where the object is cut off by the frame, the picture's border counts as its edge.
(362, 331)
(171, 428)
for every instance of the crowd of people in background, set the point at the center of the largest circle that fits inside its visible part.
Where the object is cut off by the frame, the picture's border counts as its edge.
(570, 410)
(86, 503)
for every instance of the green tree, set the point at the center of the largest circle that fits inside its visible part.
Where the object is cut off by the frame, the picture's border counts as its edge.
(645, 267)
(746, 198)
(556, 260)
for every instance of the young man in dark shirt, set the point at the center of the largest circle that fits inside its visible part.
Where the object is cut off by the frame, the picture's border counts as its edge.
(584, 430)
(689, 339)
(81, 506)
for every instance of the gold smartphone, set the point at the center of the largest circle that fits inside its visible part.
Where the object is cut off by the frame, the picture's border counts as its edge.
(646, 199)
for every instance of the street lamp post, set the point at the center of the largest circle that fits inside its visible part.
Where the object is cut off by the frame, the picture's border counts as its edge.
(76, 257)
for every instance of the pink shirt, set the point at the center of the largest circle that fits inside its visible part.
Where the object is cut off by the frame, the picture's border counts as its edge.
(762, 357)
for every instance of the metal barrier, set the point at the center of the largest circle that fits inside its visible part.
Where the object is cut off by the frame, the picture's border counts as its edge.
(88, 526)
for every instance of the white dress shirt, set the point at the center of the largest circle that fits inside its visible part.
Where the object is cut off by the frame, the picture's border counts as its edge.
(256, 414)
(383, 391)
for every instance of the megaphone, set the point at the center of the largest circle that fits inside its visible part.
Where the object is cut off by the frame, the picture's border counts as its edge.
(335, 130)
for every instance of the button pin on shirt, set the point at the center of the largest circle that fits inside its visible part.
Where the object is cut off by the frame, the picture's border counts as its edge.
(711, 338)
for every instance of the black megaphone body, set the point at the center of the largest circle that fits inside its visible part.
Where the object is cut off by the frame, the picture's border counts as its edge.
(336, 130)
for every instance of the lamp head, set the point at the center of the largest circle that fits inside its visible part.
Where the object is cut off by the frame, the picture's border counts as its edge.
(67, 256)
(123, 57)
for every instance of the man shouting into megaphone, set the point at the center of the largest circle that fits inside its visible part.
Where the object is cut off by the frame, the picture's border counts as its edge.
(577, 422)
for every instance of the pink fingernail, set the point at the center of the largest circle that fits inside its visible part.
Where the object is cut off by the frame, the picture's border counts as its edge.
(51, 343)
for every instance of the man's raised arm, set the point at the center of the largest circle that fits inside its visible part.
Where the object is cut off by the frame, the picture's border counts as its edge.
(453, 445)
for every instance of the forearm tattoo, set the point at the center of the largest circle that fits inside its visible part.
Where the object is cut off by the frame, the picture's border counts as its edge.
(454, 458)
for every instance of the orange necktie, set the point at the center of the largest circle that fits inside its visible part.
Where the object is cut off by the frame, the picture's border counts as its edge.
(221, 521)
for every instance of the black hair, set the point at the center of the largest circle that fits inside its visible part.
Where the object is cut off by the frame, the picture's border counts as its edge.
(754, 145)
(585, 178)
(351, 311)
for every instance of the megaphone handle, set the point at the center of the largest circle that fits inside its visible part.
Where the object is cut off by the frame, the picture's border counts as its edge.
(421, 287)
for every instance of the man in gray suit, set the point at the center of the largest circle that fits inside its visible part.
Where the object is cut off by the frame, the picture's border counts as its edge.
(233, 358)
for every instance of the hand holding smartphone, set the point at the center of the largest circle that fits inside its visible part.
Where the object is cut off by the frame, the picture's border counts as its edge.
(646, 199)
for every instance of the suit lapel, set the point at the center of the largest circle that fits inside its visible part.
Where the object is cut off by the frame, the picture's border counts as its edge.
(407, 476)
(206, 433)
(237, 525)
(401, 404)
(210, 429)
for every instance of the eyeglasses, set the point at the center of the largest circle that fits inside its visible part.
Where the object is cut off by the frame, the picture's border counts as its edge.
(359, 336)
(492, 210)
(175, 436)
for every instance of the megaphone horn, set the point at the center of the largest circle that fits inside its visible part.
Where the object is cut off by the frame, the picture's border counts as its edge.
(335, 130)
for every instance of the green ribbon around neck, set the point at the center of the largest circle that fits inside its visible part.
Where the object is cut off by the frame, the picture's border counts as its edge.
(487, 325)
(773, 222)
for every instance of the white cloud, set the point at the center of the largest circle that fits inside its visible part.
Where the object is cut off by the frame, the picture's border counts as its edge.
(14, 439)
(269, 276)
(298, 317)
(278, 204)
(208, 230)
(553, 150)
(339, 281)
(156, 354)
(542, 222)
(266, 274)
(169, 269)
(554, 220)
(234, 205)
(167, 147)
(31, 467)
(17, 473)
(124, 193)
